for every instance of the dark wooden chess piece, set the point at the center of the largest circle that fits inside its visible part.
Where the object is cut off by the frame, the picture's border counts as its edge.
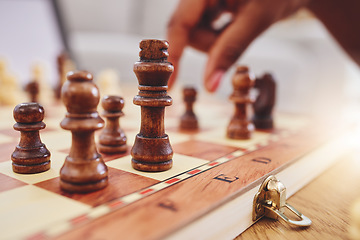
(33, 89)
(30, 155)
(264, 103)
(84, 169)
(112, 139)
(240, 127)
(61, 61)
(188, 120)
(152, 151)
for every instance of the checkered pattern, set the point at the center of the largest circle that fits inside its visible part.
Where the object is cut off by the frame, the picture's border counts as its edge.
(37, 204)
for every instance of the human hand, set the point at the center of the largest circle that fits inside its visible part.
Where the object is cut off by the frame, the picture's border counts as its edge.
(191, 24)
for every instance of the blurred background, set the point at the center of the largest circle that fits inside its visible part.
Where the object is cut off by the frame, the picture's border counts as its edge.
(313, 74)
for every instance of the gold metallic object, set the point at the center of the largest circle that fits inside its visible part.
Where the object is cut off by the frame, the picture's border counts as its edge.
(270, 201)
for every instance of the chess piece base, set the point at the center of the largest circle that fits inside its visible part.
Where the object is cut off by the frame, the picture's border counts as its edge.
(31, 169)
(78, 175)
(242, 130)
(83, 188)
(151, 167)
(112, 149)
(189, 124)
(263, 123)
(152, 154)
(31, 160)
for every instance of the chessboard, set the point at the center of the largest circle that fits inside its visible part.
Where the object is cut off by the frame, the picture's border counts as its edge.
(207, 194)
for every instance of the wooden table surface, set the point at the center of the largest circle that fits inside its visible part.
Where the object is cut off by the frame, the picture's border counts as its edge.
(326, 201)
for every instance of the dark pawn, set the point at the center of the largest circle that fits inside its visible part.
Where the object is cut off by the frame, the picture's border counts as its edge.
(152, 151)
(264, 103)
(112, 139)
(188, 120)
(31, 155)
(33, 89)
(61, 60)
(84, 169)
(240, 127)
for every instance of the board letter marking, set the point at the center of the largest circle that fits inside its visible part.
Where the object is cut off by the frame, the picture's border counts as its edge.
(223, 177)
(262, 160)
(168, 204)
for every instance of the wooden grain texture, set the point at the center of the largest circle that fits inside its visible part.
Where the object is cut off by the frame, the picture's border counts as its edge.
(326, 201)
(121, 183)
(8, 183)
(203, 150)
(84, 169)
(186, 201)
(30, 155)
(152, 151)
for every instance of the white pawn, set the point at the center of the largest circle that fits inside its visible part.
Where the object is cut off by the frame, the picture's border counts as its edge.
(108, 81)
(46, 94)
(10, 91)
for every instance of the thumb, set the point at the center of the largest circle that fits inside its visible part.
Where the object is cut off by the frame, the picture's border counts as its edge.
(232, 42)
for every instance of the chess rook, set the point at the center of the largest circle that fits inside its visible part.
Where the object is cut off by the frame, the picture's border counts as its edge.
(188, 120)
(152, 151)
(30, 155)
(84, 169)
(264, 103)
(240, 127)
(112, 139)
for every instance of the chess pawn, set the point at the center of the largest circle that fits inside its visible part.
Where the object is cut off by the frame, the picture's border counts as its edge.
(84, 169)
(64, 65)
(30, 155)
(10, 91)
(108, 81)
(264, 103)
(188, 120)
(43, 90)
(61, 58)
(33, 90)
(152, 151)
(240, 127)
(112, 139)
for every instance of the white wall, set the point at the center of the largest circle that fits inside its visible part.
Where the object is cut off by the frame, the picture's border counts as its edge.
(312, 71)
(29, 34)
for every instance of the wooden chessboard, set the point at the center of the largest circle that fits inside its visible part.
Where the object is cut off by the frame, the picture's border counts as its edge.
(207, 194)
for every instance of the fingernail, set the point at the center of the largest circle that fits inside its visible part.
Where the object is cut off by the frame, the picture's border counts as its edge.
(214, 80)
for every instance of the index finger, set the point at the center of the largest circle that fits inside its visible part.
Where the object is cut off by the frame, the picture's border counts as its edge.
(186, 16)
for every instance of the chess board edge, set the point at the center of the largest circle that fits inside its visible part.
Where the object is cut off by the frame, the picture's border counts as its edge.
(223, 219)
(235, 215)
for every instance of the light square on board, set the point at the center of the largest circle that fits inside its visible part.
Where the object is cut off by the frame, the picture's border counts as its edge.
(121, 183)
(27, 208)
(181, 163)
(56, 140)
(109, 157)
(5, 138)
(203, 150)
(7, 119)
(220, 138)
(57, 160)
(6, 150)
(290, 122)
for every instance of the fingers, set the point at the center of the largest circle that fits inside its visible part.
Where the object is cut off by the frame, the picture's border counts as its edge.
(248, 24)
(184, 19)
(203, 39)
